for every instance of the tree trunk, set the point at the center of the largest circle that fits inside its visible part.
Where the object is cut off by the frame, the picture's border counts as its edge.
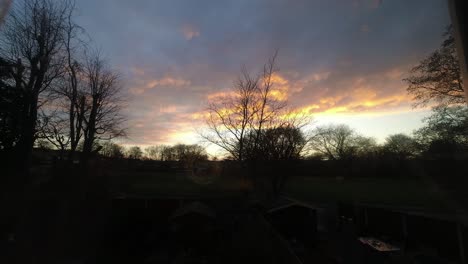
(26, 141)
(90, 132)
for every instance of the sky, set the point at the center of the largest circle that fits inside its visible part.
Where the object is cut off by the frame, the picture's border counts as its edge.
(340, 61)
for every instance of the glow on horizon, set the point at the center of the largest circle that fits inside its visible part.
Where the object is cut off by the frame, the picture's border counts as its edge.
(378, 125)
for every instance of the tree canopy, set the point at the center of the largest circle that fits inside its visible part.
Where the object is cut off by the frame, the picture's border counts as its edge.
(280, 143)
(340, 142)
(446, 129)
(400, 146)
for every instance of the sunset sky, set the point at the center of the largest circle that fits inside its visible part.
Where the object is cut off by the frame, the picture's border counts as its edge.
(342, 61)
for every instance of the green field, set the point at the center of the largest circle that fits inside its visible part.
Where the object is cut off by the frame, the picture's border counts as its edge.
(411, 194)
(183, 184)
(380, 192)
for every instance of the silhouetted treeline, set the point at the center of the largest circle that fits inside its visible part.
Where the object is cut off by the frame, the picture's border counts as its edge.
(54, 87)
(444, 135)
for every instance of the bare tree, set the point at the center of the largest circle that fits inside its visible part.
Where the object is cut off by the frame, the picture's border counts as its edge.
(231, 115)
(154, 152)
(268, 108)
(103, 118)
(400, 146)
(189, 153)
(54, 128)
(70, 89)
(245, 111)
(178, 152)
(32, 38)
(112, 150)
(168, 153)
(134, 153)
(437, 78)
(340, 142)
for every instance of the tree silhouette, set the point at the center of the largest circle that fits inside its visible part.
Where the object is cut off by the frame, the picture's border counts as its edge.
(437, 78)
(54, 128)
(178, 152)
(230, 117)
(134, 153)
(446, 130)
(32, 42)
(70, 90)
(111, 150)
(238, 119)
(103, 101)
(281, 143)
(340, 142)
(189, 153)
(11, 106)
(400, 146)
(154, 152)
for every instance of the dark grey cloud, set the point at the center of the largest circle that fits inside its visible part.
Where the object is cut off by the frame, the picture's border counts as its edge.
(189, 49)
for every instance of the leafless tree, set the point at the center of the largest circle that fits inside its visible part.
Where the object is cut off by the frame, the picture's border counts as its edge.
(167, 153)
(189, 153)
(178, 152)
(437, 78)
(70, 89)
(103, 101)
(154, 152)
(32, 38)
(340, 142)
(134, 153)
(54, 128)
(268, 108)
(112, 150)
(231, 115)
(245, 111)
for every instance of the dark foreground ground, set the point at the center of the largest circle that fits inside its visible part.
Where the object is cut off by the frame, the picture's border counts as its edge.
(140, 213)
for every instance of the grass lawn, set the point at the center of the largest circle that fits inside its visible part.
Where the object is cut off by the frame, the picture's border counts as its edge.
(381, 192)
(183, 184)
(401, 193)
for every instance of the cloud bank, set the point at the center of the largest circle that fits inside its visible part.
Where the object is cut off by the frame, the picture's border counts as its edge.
(335, 57)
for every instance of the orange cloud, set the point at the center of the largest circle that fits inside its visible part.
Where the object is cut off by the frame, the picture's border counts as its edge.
(360, 96)
(281, 90)
(167, 81)
(358, 101)
(317, 94)
(219, 95)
